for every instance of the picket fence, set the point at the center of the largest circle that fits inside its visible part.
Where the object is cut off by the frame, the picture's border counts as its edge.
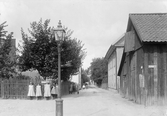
(14, 88)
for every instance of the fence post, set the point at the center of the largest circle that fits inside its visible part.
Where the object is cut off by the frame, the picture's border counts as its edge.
(2, 89)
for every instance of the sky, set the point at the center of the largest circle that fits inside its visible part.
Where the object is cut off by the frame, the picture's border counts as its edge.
(97, 23)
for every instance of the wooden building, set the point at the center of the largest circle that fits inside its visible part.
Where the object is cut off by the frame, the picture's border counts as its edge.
(114, 56)
(143, 70)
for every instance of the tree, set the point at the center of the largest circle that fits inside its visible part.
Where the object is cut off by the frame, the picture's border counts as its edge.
(39, 51)
(6, 64)
(98, 70)
(84, 77)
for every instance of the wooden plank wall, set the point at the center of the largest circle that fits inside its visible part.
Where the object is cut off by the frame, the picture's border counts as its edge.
(165, 73)
(154, 62)
(121, 84)
(128, 81)
(132, 76)
(139, 67)
(123, 78)
(161, 74)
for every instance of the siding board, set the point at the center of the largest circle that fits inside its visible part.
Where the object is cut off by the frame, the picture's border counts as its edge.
(162, 78)
(150, 74)
(145, 76)
(155, 75)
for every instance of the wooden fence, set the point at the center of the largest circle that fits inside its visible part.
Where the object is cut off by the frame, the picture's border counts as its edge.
(18, 89)
(14, 88)
(65, 88)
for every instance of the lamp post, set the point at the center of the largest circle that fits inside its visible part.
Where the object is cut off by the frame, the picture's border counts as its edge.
(59, 36)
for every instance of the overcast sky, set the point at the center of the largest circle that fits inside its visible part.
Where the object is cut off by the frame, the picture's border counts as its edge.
(97, 23)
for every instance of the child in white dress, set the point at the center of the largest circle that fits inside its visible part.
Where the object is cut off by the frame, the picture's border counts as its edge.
(54, 91)
(47, 93)
(31, 92)
(38, 91)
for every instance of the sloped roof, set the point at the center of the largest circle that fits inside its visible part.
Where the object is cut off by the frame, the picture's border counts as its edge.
(118, 43)
(150, 27)
(110, 51)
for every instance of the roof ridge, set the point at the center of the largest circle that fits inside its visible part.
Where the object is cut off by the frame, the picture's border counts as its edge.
(147, 13)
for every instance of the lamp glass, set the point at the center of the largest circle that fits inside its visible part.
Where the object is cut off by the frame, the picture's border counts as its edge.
(59, 34)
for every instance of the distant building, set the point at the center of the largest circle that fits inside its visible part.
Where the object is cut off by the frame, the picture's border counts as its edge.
(77, 78)
(113, 56)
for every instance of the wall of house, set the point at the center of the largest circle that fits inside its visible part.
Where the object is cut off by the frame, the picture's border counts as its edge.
(123, 85)
(130, 81)
(143, 78)
(77, 78)
(119, 52)
(112, 71)
(155, 72)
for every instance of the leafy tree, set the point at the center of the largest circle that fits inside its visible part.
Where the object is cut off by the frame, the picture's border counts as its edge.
(6, 64)
(84, 77)
(39, 51)
(98, 70)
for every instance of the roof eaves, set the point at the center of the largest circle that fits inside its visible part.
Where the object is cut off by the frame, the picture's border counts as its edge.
(158, 41)
(110, 51)
(147, 13)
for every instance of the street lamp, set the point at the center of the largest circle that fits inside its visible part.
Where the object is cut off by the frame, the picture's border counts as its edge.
(59, 36)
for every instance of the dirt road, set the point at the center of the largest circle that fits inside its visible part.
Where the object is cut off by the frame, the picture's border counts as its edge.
(90, 102)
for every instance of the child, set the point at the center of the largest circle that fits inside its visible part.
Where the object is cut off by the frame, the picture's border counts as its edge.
(53, 91)
(47, 93)
(71, 88)
(77, 88)
(31, 92)
(38, 91)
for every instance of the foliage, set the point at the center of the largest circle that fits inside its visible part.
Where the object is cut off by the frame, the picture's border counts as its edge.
(98, 70)
(21, 77)
(7, 65)
(84, 77)
(39, 51)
